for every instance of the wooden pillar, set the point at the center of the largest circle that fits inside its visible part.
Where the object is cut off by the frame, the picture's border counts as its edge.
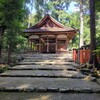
(81, 61)
(39, 44)
(47, 44)
(56, 44)
(67, 42)
(31, 45)
(28, 43)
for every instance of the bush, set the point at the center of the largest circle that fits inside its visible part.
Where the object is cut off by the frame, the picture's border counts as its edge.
(3, 68)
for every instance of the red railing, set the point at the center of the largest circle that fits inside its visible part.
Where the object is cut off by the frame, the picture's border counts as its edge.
(84, 56)
(75, 55)
(81, 55)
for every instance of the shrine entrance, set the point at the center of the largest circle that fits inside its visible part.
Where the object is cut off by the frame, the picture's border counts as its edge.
(49, 36)
(49, 44)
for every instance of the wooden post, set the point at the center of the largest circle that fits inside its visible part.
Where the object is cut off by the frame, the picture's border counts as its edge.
(56, 44)
(39, 44)
(47, 44)
(67, 42)
(81, 56)
(31, 45)
(74, 55)
(28, 44)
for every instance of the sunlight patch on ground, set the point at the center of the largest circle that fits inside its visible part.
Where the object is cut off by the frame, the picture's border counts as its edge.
(44, 97)
(24, 86)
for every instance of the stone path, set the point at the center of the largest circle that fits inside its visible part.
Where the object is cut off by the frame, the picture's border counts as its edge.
(46, 73)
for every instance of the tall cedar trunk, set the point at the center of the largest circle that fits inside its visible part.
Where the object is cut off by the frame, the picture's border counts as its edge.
(0, 47)
(2, 29)
(29, 18)
(81, 23)
(0, 41)
(93, 58)
(9, 54)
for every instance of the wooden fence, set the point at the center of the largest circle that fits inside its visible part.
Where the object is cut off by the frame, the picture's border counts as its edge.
(81, 55)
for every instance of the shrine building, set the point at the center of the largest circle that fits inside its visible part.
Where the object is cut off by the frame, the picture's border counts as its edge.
(49, 36)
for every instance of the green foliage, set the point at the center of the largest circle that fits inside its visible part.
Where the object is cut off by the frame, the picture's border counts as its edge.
(3, 68)
(98, 29)
(12, 15)
(97, 2)
(97, 51)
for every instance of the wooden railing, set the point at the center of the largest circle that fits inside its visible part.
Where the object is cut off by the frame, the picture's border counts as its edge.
(81, 55)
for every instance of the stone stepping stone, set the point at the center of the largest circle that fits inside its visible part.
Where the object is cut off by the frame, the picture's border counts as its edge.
(37, 60)
(44, 63)
(57, 69)
(63, 85)
(68, 90)
(45, 76)
(42, 73)
(46, 66)
(40, 67)
(48, 96)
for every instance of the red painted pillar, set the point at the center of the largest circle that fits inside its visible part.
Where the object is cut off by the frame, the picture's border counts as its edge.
(81, 56)
(74, 54)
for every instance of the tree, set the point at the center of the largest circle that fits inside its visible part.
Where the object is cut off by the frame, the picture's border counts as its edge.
(12, 14)
(93, 58)
(2, 28)
(81, 23)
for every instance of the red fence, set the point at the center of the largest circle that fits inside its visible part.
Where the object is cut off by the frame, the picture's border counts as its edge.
(81, 55)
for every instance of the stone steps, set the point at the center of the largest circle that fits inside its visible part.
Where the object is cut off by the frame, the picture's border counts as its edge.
(44, 63)
(46, 73)
(68, 66)
(42, 67)
(36, 60)
(49, 69)
(48, 96)
(45, 76)
(68, 90)
(43, 73)
(47, 85)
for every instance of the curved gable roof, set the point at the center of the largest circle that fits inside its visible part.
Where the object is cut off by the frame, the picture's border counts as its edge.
(48, 21)
(48, 24)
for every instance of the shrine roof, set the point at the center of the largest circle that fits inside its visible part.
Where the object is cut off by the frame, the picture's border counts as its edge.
(49, 24)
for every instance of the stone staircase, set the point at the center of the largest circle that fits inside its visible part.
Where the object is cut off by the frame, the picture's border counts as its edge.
(46, 73)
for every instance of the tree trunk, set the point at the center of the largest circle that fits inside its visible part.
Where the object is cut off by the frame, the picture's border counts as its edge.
(2, 29)
(0, 41)
(9, 54)
(29, 19)
(81, 23)
(93, 58)
(0, 47)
